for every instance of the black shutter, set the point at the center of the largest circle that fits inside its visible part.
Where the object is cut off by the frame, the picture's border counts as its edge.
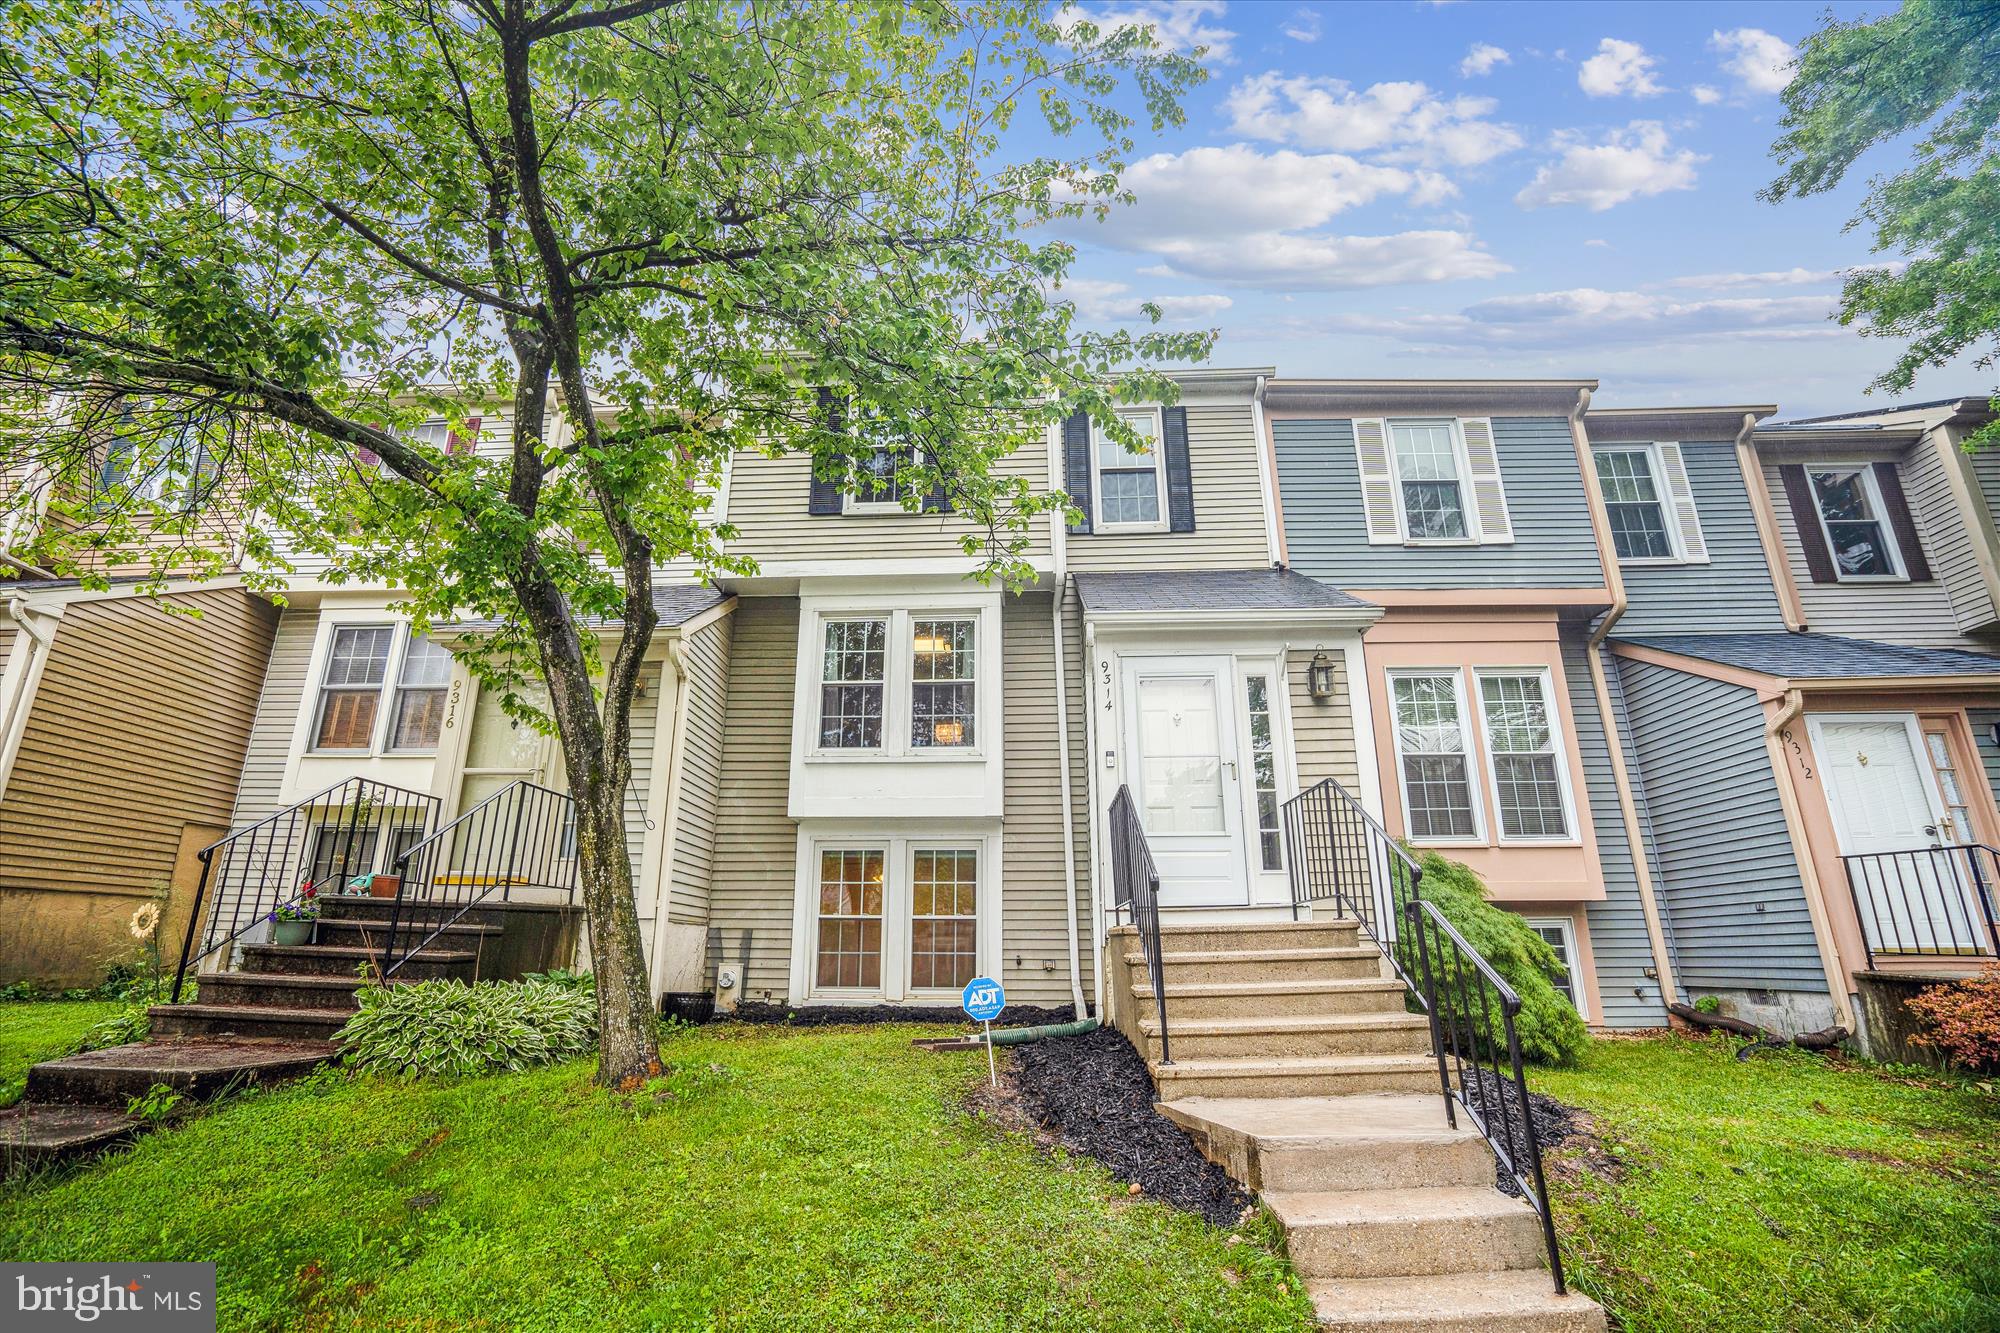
(1180, 477)
(1076, 466)
(1890, 483)
(1805, 517)
(824, 497)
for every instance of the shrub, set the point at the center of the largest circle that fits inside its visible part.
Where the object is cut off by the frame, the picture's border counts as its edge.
(450, 1028)
(1551, 1033)
(1963, 1020)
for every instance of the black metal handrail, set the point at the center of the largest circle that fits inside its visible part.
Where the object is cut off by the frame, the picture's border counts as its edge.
(1136, 884)
(1479, 1058)
(1338, 853)
(1935, 902)
(522, 837)
(324, 840)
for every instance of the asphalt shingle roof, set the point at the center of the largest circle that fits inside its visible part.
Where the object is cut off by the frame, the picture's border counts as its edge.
(677, 604)
(1211, 590)
(1809, 656)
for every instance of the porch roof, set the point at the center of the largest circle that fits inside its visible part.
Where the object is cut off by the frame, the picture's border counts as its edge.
(1275, 590)
(1818, 656)
(677, 603)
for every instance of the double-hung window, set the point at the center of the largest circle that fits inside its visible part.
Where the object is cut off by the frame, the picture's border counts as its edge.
(1850, 512)
(943, 683)
(1521, 744)
(898, 674)
(357, 676)
(421, 685)
(1431, 487)
(1634, 505)
(1559, 933)
(853, 684)
(1432, 756)
(1131, 487)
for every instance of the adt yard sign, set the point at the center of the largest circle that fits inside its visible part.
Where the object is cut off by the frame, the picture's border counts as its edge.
(983, 999)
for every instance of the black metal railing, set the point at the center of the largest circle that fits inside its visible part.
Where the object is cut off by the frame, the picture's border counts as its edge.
(519, 840)
(1928, 901)
(1339, 854)
(311, 847)
(1474, 1017)
(1136, 885)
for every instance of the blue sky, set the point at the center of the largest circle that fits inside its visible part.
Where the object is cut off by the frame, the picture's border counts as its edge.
(1421, 189)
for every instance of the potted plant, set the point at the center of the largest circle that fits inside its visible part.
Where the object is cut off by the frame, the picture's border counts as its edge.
(292, 922)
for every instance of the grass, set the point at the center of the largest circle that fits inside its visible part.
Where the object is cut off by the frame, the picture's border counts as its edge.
(31, 1032)
(1781, 1192)
(772, 1180)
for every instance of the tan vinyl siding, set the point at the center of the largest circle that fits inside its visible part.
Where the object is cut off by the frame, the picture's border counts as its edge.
(7, 633)
(1948, 537)
(1034, 923)
(645, 742)
(1322, 730)
(767, 504)
(756, 843)
(282, 695)
(705, 657)
(1229, 531)
(1898, 612)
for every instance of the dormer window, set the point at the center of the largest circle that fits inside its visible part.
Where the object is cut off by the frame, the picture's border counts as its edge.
(1427, 469)
(1850, 511)
(1431, 481)
(1649, 503)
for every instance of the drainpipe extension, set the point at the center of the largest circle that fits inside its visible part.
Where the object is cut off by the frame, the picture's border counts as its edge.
(1621, 779)
(1022, 1036)
(1809, 881)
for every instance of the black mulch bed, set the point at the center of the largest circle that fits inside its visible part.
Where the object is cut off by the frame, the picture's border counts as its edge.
(826, 1015)
(1094, 1095)
(1554, 1122)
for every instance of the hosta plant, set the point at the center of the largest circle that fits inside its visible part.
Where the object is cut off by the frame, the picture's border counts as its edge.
(453, 1029)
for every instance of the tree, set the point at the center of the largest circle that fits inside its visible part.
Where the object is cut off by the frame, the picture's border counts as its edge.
(1931, 67)
(257, 244)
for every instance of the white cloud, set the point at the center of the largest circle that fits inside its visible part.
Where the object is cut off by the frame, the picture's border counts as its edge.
(1598, 243)
(1586, 318)
(1631, 163)
(1482, 58)
(1401, 121)
(1619, 69)
(1303, 25)
(1759, 61)
(1178, 25)
(1099, 301)
(1705, 94)
(1791, 277)
(1322, 262)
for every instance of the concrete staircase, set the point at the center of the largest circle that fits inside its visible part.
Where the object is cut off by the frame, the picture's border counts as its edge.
(1297, 1068)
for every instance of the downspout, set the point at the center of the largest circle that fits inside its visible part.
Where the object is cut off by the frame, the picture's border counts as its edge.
(1092, 792)
(1795, 826)
(1059, 549)
(14, 716)
(670, 815)
(1789, 604)
(1614, 743)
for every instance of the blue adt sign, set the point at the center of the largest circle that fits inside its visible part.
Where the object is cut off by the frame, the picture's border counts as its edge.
(983, 999)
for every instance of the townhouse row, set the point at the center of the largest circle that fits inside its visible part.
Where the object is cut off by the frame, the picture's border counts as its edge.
(1712, 701)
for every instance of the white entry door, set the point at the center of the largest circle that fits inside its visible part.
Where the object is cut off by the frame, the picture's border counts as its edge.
(1884, 800)
(1183, 769)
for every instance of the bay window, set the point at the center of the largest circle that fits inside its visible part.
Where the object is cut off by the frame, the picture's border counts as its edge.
(898, 683)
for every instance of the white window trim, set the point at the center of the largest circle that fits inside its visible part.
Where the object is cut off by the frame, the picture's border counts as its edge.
(1650, 451)
(898, 685)
(1559, 748)
(1467, 738)
(1891, 545)
(382, 731)
(1461, 463)
(1567, 926)
(1159, 459)
(900, 843)
(851, 503)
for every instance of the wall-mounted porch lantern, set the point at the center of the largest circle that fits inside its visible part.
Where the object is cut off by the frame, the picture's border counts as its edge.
(1319, 676)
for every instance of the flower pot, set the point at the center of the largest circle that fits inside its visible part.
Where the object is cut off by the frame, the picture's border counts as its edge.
(291, 932)
(385, 886)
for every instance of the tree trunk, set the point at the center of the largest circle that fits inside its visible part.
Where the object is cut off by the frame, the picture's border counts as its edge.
(628, 1046)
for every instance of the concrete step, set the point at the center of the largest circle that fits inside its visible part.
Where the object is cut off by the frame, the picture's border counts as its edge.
(196, 1069)
(38, 1134)
(373, 932)
(1513, 1301)
(1317, 1144)
(1190, 1001)
(284, 990)
(1210, 936)
(1313, 964)
(327, 960)
(1307, 1034)
(1296, 1076)
(342, 907)
(245, 1020)
(1407, 1232)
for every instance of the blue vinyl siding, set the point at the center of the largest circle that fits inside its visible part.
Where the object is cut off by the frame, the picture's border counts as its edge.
(1730, 882)
(1618, 941)
(1327, 536)
(1733, 592)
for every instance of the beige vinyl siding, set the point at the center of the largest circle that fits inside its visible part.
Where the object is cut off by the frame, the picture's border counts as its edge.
(1948, 536)
(1322, 730)
(1898, 612)
(282, 695)
(1034, 922)
(756, 843)
(7, 633)
(767, 504)
(1229, 531)
(139, 729)
(646, 743)
(705, 658)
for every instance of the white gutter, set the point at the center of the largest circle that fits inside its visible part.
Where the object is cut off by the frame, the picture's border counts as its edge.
(1795, 826)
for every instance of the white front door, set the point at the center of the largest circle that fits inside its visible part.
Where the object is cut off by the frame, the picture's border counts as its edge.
(1180, 725)
(1887, 815)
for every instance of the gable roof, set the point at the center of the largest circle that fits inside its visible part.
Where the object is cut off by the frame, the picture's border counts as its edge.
(1818, 656)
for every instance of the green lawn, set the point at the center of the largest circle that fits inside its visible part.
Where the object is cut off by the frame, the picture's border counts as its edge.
(1780, 1192)
(31, 1032)
(776, 1179)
